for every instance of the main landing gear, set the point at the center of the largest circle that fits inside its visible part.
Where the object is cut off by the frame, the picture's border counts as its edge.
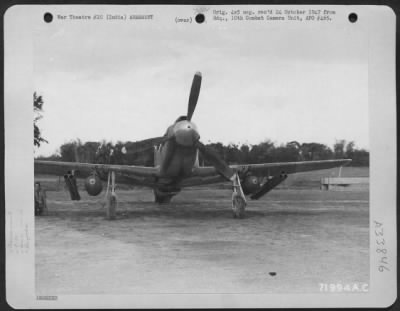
(111, 197)
(238, 198)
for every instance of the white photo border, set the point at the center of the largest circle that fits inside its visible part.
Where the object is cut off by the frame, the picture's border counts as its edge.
(20, 261)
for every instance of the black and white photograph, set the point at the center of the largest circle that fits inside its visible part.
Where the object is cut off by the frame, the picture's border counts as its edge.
(188, 152)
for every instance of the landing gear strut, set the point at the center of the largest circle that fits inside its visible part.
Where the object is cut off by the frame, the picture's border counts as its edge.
(111, 197)
(238, 198)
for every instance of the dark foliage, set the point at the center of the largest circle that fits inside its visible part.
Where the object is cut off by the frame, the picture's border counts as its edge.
(141, 152)
(37, 110)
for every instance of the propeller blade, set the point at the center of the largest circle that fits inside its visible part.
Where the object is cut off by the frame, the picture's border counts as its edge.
(194, 95)
(220, 165)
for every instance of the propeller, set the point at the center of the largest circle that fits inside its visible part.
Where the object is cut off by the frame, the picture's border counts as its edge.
(194, 95)
(211, 156)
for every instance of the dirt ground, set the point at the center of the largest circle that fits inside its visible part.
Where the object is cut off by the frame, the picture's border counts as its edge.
(289, 242)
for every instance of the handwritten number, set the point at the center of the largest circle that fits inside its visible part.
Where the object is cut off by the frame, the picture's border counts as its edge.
(380, 243)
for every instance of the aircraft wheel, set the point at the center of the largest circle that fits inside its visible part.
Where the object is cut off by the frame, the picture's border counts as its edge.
(111, 206)
(238, 206)
(161, 199)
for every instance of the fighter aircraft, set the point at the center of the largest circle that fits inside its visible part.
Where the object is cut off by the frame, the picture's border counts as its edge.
(176, 166)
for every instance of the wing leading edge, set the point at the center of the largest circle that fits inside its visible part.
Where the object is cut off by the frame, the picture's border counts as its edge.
(85, 169)
(272, 169)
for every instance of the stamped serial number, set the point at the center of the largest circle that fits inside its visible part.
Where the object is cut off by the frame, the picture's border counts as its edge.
(46, 297)
(380, 248)
(343, 287)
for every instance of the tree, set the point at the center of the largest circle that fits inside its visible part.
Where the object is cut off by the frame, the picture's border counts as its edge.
(217, 148)
(262, 152)
(68, 151)
(37, 110)
(233, 154)
(284, 153)
(89, 150)
(245, 151)
(294, 148)
(350, 148)
(338, 149)
(315, 151)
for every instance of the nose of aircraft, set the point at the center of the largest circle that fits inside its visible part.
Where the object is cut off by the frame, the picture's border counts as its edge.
(186, 133)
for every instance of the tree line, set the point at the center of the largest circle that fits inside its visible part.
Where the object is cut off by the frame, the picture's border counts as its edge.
(142, 153)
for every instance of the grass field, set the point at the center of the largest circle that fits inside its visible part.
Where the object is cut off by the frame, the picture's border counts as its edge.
(290, 241)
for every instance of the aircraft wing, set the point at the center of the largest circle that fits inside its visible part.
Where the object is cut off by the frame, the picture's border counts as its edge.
(85, 169)
(273, 169)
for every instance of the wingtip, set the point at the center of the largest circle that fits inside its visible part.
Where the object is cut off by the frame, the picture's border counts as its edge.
(198, 73)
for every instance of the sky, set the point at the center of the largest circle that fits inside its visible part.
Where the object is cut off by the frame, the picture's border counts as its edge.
(121, 81)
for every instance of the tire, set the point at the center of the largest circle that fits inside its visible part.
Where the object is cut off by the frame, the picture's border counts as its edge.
(238, 206)
(163, 199)
(160, 198)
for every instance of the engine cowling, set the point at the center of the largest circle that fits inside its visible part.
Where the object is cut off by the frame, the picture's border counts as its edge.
(251, 184)
(93, 185)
